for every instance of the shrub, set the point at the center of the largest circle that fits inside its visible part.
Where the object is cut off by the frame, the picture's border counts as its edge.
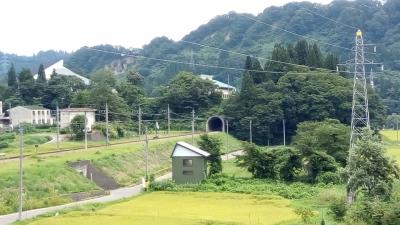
(305, 214)
(167, 185)
(28, 128)
(7, 137)
(338, 208)
(3, 145)
(36, 140)
(329, 178)
(65, 130)
(77, 127)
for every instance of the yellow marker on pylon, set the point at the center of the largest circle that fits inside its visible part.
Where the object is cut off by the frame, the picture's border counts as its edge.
(359, 33)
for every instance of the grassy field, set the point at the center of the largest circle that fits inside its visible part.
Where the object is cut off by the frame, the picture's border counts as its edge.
(168, 208)
(42, 138)
(389, 137)
(49, 181)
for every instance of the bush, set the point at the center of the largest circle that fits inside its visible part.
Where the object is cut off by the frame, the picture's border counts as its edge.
(305, 214)
(167, 185)
(338, 208)
(65, 130)
(329, 178)
(3, 145)
(7, 137)
(372, 211)
(28, 128)
(36, 140)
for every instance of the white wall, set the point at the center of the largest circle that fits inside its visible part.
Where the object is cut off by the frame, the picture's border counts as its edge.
(67, 116)
(21, 114)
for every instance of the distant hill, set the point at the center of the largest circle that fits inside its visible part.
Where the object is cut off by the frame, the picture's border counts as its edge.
(380, 23)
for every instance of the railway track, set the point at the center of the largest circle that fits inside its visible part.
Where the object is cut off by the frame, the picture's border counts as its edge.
(53, 152)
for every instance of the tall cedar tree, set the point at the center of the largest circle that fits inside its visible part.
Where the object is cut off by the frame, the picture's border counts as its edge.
(212, 145)
(12, 77)
(301, 49)
(258, 75)
(41, 74)
(278, 54)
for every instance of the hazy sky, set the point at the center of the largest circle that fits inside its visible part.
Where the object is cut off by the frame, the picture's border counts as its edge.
(28, 26)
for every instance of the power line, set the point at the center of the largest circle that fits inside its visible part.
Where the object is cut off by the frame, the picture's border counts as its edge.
(298, 35)
(186, 63)
(253, 56)
(332, 20)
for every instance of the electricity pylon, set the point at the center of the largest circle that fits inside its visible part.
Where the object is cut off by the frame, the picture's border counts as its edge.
(360, 109)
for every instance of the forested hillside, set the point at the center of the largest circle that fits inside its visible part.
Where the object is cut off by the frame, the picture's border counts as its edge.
(252, 35)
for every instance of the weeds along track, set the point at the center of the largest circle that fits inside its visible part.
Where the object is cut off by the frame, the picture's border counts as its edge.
(55, 151)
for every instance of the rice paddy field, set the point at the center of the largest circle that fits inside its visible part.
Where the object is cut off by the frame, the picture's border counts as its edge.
(188, 208)
(392, 144)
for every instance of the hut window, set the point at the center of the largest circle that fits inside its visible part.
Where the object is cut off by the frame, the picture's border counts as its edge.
(188, 163)
(187, 172)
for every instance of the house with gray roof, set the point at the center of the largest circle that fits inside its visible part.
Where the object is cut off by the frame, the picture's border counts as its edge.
(225, 89)
(189, 163)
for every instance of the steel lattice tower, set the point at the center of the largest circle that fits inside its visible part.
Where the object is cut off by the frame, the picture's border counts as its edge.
(360, 111)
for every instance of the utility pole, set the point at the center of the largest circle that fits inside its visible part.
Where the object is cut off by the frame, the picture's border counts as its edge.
(21, 146)
(169, 120)
(146, 146)
(86, 133)
(284, 132)
(397, 128)
(192, 126)
(58, 126)
(251, 132)
(107, 134)
(140, 121)
(227, 138)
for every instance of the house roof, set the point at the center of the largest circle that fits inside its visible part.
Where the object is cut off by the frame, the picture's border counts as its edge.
(61, 70)
(216, 82)
(190, 148)
(31, 107)
(78, 110)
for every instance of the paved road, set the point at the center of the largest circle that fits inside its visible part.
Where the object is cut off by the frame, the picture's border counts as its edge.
(114, 195)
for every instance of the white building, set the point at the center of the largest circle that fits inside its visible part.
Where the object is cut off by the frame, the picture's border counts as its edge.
(36, 115)
(225, 89)
(66, 116)
(61, 70)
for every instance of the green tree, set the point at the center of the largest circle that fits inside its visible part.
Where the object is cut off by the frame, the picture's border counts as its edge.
(275, 163)
(331, 61)
(134, 78)
(279, 54)
(212, 145)
(186, 91)
(12, 77)
(329, 136)
(77, 127)
(369, 170)
(301, 49)
(314, 57)
(41, 74)
(25, 76)
(103, 90)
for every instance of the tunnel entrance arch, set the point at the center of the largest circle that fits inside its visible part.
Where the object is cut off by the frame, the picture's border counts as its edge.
(215, 123)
